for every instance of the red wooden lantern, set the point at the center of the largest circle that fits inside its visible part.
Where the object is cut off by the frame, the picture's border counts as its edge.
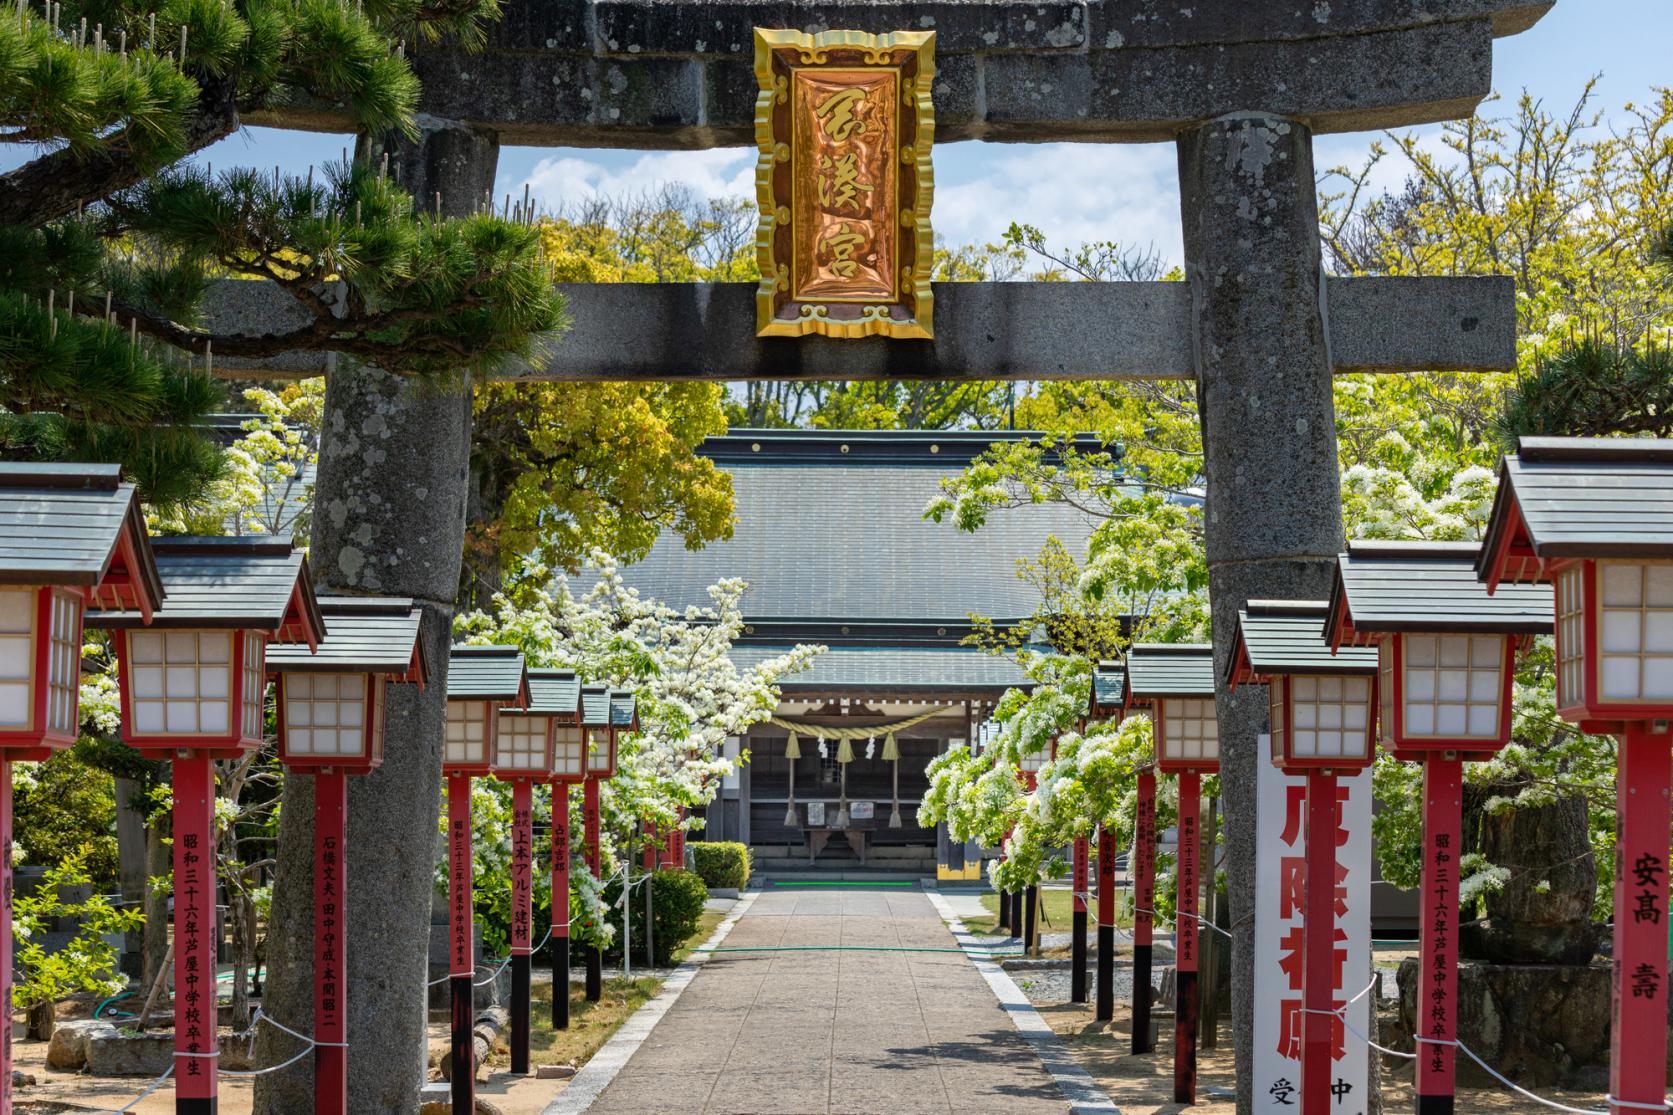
(1446, 657)
(1593, 518)
(331, 723)
(330, 701)
(481, 680)
(525, 753)
(1109, 692)
(1106, 700)
(605, 713)
(1322, 711)
(193, 689)
(556, 696)
(68, 534)
(1175, 682)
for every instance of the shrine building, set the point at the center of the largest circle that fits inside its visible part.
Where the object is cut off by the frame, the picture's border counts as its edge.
(830, 534)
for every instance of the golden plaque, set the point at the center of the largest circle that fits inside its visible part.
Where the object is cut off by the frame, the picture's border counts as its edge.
(844, 124)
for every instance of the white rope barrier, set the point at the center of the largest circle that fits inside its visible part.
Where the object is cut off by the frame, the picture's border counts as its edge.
(155, 1084)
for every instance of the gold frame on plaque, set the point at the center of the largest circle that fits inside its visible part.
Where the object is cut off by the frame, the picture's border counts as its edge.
(844, 124)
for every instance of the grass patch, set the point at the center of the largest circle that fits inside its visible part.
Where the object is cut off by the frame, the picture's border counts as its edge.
(1056, 910)
(706, 926)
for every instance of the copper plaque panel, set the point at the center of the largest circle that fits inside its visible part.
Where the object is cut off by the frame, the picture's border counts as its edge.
(844, 127)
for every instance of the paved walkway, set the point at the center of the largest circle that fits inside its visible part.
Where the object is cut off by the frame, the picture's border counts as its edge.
(835, 1033)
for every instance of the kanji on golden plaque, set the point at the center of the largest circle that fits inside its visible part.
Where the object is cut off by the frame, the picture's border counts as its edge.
(844, 125)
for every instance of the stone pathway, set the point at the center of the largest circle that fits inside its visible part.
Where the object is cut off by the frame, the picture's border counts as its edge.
(834, 1032)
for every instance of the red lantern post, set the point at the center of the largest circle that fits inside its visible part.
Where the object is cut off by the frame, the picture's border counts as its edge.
(569, 765)
(1592, 517)
(1176, 683)
(193, 689)
(69, 534)
(1323, 709)
(481, 680)
(1144, 906)
(1446, 663)
(1106, 700)
(331, 720)
(525, 744)
(605, 714)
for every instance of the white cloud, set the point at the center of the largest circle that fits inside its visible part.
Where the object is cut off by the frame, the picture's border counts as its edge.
(1072, 192)
(564, 180)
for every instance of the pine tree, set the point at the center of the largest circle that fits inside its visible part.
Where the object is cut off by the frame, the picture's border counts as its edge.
(108, 243)
(1593, 387)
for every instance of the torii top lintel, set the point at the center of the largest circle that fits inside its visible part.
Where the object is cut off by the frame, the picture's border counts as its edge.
(676, 74)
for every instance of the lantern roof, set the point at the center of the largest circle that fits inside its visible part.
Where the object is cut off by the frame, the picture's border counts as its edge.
(1287, 637)
(259, 584)
(602, 707)
(553, 693)
(77, 524)
(1169, 670)
(1578, 497)
(487, 673)
(1384, 587)
(1109, 687)
(368, 635)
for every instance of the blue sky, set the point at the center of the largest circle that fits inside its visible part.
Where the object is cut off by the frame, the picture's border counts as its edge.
(1075, 192)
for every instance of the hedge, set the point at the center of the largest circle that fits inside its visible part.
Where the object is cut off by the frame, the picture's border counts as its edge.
(677, 898)
(721, 863)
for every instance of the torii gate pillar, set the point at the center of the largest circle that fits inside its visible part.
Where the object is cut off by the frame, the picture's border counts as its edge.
(1273, 517)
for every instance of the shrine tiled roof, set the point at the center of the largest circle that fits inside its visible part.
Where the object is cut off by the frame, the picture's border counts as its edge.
(1109, 687)
(609, 708)
(367, 634)
(63, 524)
(489, 673)
(257, 583)
(1169, 670)
(553, 693)
(1287, 637)
(830, 524)
(1427, 586)
(941, 669)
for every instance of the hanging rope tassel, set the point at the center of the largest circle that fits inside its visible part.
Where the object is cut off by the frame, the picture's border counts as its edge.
(845, 755)
(792, 752)
(891, 753)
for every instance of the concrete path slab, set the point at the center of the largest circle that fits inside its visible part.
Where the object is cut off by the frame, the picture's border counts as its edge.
(838, 1032)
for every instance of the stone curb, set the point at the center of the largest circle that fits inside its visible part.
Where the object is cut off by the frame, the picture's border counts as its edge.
(1075, 1083)
(596, 1075)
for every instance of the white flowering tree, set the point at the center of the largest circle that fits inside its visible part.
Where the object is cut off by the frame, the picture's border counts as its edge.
(691, 695)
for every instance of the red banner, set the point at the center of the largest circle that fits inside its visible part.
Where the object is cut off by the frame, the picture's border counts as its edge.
(560, 860)
(461, 945)
(196, 1047)
(522, 866)
(330, 961)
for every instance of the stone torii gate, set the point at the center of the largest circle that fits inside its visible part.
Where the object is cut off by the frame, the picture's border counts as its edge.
(1240, 88)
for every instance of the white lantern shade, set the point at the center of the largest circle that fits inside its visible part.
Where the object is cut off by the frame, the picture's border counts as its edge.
(1321, 721)
(470, 736)
(1032, 762)
(181, 682)
(520, 745)
(601, 752)
(1187, 734)
(17, 658)
(330, 718)
(569, 753)
(40, 680)
(1615, 639)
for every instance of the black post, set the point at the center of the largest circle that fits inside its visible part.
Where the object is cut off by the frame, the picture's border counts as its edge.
(1106, 972)
(1016, 914)
(1077, 957)
(464, 1055)
(1004, 912)
(1030, 934)
(560, 983)
(595, 975)
(1141, 999)
(520, 1013)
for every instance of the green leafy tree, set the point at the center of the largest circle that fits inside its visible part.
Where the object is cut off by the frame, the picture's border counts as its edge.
(87, 962)
(66, 807)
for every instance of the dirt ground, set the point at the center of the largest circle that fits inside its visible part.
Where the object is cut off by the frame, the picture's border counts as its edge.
(64, 1093)
(1143, 1085)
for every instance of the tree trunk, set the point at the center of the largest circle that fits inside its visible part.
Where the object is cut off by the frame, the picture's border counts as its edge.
(43, 1019)
(159, 862)
(1543, 913)
(389, 517)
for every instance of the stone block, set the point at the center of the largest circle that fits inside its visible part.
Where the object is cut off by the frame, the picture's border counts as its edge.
(1542, 1025)
(1152, 23)
(118, 1053)
(67, 1050)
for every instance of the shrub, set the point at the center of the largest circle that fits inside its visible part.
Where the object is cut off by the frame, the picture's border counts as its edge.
(722, 863)
(677, 898)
